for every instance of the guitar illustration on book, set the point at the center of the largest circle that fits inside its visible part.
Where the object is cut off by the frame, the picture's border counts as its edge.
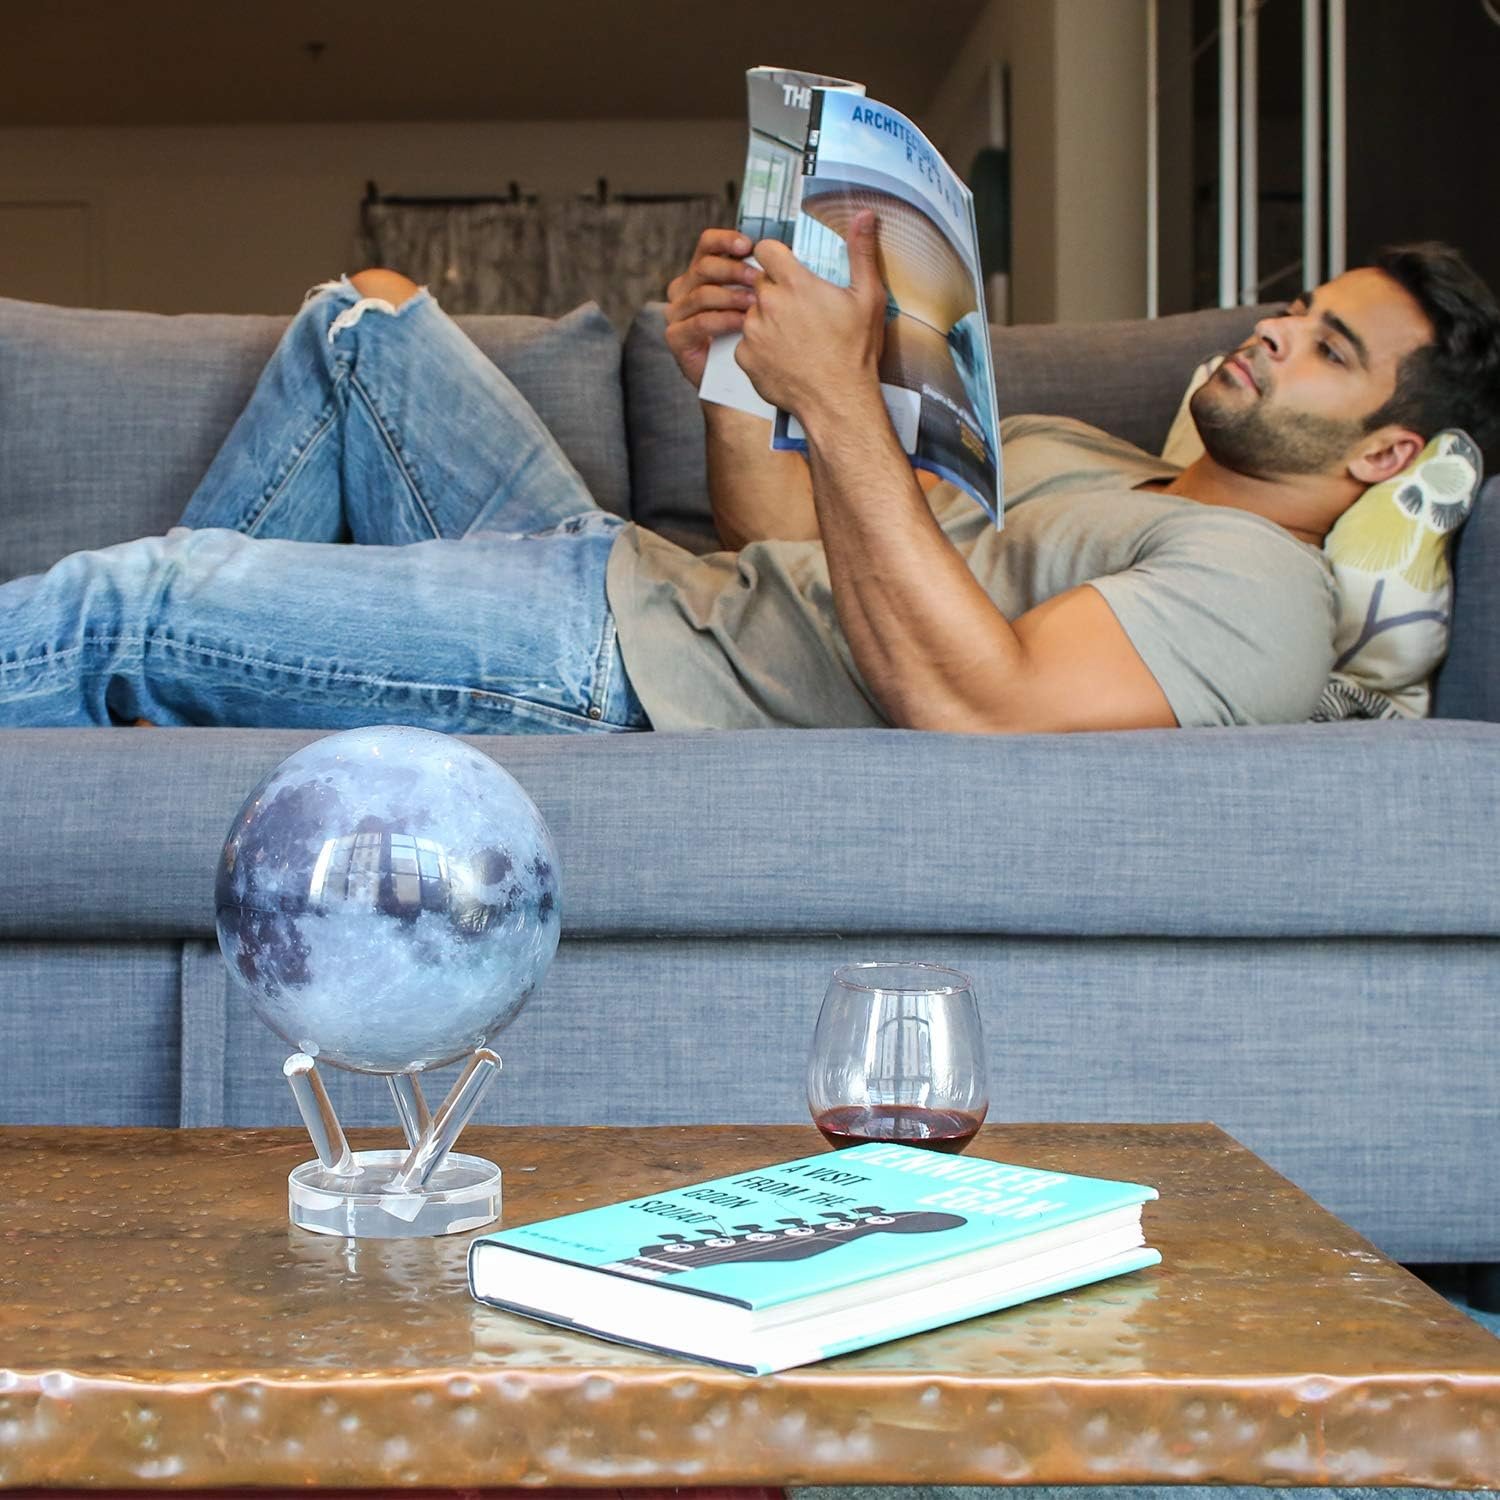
(787, 1239)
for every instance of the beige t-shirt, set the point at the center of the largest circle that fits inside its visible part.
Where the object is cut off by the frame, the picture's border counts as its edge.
(1233, 616)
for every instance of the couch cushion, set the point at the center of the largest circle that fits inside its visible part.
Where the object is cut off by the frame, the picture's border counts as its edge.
(1170, 833)
(1124, 377)
(664, 424)
(109, 419)
(1468, 683)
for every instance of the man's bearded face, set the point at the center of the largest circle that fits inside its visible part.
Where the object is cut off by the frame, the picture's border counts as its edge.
(1244, 427)
(1298, 397)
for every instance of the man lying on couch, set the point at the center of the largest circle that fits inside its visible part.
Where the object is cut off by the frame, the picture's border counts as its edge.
(487, 593)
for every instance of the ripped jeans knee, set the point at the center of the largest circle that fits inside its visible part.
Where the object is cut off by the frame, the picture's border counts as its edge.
(351, 315)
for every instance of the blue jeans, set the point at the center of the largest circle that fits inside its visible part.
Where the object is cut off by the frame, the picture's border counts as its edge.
(473, 600)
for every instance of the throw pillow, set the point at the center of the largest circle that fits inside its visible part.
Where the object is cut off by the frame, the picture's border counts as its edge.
(144, 402)
(1389, 556)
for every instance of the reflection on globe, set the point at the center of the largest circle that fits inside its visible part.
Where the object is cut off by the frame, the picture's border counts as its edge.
(387, 900)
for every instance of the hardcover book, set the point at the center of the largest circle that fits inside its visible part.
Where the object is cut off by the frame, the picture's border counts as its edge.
(785, 1264)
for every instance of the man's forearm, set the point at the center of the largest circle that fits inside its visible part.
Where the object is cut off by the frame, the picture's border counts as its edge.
(933, 647)
(927, 639)
(757, 494)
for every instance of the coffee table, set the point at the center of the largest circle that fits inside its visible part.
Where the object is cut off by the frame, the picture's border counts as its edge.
(162, 1325)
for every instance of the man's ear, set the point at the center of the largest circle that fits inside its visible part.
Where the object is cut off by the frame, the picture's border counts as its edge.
(1384, 452)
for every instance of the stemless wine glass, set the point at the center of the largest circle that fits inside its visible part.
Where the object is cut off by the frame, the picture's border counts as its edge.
(898, 1055)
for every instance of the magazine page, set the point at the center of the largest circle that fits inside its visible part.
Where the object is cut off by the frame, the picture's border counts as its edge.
(779, 101)
(935, 374)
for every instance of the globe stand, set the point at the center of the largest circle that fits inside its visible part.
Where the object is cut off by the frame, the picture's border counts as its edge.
(426, 1190)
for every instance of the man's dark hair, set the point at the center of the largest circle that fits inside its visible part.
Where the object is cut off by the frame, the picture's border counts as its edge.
(1455, 380)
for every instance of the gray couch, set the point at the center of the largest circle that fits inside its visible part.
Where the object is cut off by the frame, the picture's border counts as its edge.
(1294, 932)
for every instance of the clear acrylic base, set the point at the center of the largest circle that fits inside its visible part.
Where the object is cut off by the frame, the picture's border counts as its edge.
(464, 1193)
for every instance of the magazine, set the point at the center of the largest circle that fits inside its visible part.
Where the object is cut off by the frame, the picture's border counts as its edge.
(779, 101)
(936, 372)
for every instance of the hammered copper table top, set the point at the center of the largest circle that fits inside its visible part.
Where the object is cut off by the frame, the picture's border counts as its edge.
(163, 1326)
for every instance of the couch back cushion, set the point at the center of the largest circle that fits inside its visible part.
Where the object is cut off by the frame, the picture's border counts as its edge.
(1124, 377)
(664, 423)
(109, 419)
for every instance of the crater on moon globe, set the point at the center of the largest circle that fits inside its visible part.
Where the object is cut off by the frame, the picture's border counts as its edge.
(387, 899)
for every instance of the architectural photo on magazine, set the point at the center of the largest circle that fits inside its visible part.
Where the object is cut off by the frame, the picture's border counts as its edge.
(936, 371)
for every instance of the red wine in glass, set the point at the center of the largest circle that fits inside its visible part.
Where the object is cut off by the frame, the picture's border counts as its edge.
(904, 1124)
(898, 1057)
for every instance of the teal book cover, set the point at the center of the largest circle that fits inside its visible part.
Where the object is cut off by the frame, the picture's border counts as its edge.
(780, 1233)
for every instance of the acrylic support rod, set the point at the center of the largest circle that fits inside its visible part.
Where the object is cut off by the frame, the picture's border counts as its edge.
(411, 1106)
(316, 1109)
(452, 1115)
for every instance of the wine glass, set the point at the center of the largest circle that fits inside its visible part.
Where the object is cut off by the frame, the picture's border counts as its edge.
(898, 1055)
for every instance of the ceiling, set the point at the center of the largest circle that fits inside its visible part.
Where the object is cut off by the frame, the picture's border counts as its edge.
(200, 62)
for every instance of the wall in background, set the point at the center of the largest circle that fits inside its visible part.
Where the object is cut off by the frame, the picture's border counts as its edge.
(1077, 144)
(1100, 125)
(1422, 114)
(245, 218)
(1022, 38)
(1424, 123)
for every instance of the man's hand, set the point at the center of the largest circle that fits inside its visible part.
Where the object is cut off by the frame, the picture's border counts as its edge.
(710, 298)
(809, 344)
